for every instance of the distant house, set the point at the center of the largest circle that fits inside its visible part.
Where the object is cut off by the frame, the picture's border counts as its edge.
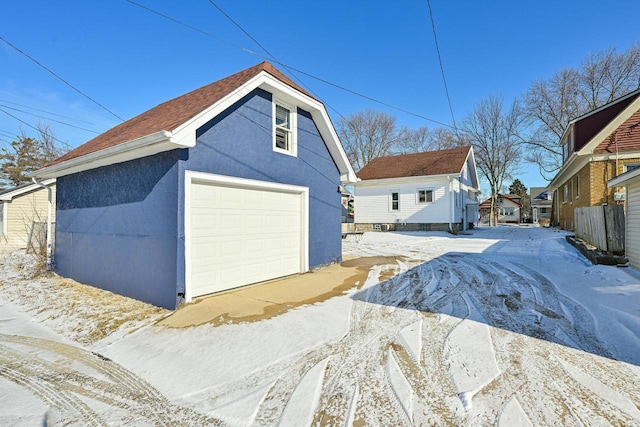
(234, 183)
(596, 147)
(23, 212)
(508, 209)
(629, 183)
(541, 203)
(435, 190)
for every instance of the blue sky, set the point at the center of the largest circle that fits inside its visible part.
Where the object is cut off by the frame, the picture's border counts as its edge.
(129, 59)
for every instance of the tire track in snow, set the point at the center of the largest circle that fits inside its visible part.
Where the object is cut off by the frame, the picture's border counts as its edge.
(77, 379)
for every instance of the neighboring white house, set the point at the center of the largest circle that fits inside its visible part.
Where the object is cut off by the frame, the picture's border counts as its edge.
(434, 190)
(629, 182)
(508, 209)
(20, 208)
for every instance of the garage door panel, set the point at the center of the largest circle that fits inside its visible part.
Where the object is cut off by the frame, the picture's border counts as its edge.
(241, 236)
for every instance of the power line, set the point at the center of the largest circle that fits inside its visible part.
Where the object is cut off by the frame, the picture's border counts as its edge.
(444, 80)
(31, 126)
(287, 66)
(45, 111)
(61, 79)
(50, 119)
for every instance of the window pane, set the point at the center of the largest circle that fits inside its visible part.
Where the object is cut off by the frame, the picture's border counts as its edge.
(282, 117)
(395, 201)
(429, 196)
(282, 139)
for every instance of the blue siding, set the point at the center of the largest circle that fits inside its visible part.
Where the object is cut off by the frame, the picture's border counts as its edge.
(116, 228)
(239, 143)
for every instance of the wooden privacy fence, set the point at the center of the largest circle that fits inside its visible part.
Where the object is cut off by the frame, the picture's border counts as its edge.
(601, 226)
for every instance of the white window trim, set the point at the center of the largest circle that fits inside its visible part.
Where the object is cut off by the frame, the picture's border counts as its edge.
(418, 190)
(391, 201)
(577, 186)
(293, 132)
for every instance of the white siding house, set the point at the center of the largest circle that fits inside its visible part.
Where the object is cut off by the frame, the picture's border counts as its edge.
(421, 191)
(630, 181)
(20, 208)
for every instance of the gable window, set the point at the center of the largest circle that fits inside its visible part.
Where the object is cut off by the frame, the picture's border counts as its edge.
(284, 131)
(424, 196)
(394, 201)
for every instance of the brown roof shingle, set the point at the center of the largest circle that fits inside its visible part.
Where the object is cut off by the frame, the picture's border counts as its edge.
(449, 161)
(171, 114)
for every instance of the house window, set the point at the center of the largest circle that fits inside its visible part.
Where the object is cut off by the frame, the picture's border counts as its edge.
(1, 218)
(394, 201)
(565, 198)
(507, 212)
(424, 196)
(631, 166)
(284, 131)
(577, 187)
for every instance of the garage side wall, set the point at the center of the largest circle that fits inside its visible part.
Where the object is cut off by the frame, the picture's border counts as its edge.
(117, 226)
(238, 143)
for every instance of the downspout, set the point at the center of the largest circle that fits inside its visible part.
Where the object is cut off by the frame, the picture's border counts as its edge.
(50, 199)
(452, 211)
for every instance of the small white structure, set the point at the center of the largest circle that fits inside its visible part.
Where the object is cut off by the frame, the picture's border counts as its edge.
(20, 208)
(629, 182)
(434, 190)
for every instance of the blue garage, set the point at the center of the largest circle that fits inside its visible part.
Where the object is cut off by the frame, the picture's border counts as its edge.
(234, 183)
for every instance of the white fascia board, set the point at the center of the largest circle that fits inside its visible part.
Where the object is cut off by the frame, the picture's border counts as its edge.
(611, 127)
(406, 180)
(135, 149)
(475, 179)
(621, 180)
(8, 196)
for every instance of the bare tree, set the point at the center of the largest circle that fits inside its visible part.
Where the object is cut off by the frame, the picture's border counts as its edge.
(550, 104)
(26, 155)
(368, 134)
(494, 134)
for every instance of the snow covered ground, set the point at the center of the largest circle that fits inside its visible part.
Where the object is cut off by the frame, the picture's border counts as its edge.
(506, 326)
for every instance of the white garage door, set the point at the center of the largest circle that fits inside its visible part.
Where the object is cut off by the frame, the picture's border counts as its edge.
(241, 235)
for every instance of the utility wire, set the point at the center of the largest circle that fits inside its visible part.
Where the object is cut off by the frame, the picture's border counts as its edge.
(61, 79)
(50, 119)
(288, 66)
(444, 80)
(226, 15)
(45, 111)
(31, 126)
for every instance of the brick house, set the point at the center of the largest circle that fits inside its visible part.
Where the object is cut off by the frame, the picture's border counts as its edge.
(596, 147)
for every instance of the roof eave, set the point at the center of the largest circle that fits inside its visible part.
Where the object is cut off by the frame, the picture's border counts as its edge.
(9, 195)
(621, 180)
(383, 181)
(141, 147)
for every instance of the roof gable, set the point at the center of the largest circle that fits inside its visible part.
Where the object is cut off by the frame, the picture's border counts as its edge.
(487, 203)
(440, 162)
(173, 124)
